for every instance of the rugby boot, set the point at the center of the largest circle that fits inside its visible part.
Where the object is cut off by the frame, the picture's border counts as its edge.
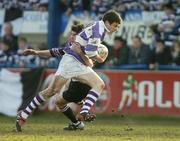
(19, 122)
(75, 126)
(88, 117)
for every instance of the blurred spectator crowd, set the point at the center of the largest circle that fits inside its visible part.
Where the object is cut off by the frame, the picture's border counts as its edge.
(35, 5)
(165, 49)
(11, 52)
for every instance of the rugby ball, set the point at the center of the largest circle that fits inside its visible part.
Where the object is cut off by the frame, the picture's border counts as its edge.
(102, 51)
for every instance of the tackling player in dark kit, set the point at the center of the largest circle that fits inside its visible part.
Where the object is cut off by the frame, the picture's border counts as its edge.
(76, 91)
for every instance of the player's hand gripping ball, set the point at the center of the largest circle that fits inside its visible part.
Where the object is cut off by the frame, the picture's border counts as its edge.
(102, 51)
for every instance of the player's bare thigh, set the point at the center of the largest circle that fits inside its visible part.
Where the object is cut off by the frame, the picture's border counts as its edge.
(66, 86)
(60, 101)
(92, 79)
(54, 87)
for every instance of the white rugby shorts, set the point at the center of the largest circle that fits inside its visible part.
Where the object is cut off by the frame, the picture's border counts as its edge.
(69, 67)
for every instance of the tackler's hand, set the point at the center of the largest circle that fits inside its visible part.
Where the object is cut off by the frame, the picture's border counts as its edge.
(30, 52)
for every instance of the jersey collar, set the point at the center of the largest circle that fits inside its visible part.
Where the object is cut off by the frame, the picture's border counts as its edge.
(102, 22)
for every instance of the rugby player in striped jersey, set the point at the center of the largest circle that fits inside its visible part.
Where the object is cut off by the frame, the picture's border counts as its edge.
(72, 65)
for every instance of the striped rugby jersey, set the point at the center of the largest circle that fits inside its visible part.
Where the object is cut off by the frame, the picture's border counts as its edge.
(89, 39)
(169, 33)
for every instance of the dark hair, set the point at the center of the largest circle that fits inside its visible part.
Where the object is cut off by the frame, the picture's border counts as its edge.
(112, 16)
(130, 73)
(77, 28)
(9, 24)
(168, 6)
(119, 38)
(22, 39)
(160, 41)
(137, 37)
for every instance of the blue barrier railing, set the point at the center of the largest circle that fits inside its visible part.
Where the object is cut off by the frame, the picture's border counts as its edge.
(142, 67)
(54, 64)
(169, 67)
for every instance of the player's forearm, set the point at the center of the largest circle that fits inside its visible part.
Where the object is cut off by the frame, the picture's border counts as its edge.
(76, 48)
(86, 59)
(43, 53)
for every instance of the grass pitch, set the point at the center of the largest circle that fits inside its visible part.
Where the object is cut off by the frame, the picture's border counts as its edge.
(49, 127)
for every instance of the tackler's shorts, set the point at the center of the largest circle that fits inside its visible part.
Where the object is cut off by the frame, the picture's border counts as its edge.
(76, 92)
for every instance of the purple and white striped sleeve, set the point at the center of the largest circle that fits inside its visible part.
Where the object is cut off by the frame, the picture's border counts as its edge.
(56, 52)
